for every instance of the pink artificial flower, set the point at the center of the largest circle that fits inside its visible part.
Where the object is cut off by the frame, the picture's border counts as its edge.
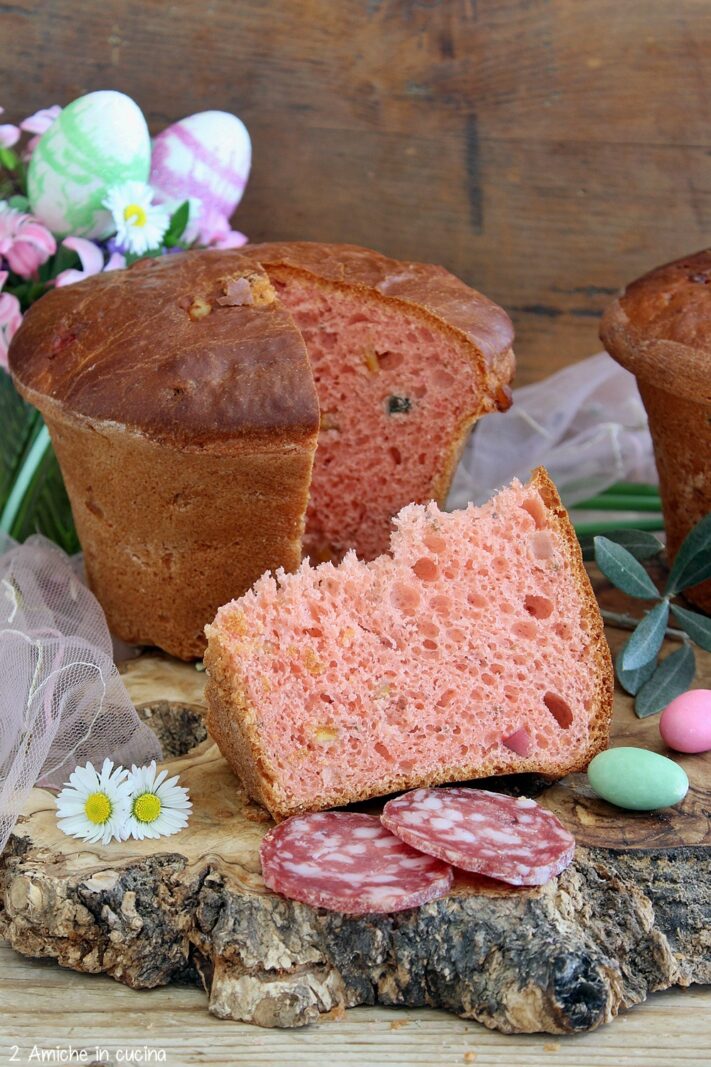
(38, 124)
(9, 134)
(24, 242)
(92, 261)
(214, 231)
(10, 319)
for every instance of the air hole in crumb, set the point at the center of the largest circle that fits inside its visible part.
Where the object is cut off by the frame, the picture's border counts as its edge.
(446, 698)
(395, 455)
(488, 679)
(537, 510)
(538, 606)
(441, 604)
(525, 630)
(430, 645)
(563, 631)
(382, 750)
(313, 631)
(428, 629)
(541, 545)
(405, 597)
(500, 565)
(519, 742)
(426, 569)
(434, 541)
(475, 600)
(559, 709)
(390, 360)
(455, 634)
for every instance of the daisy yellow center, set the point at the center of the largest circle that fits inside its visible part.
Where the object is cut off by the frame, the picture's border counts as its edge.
(135, 215)
(146, 808)
(98, 808)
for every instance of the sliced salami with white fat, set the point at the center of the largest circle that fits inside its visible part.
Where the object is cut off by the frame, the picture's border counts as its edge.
(349, 862)
(512, 839)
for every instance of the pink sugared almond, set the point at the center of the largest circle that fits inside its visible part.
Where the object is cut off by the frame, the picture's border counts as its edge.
(475, 648)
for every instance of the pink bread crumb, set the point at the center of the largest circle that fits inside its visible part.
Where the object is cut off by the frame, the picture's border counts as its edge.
(475, 648)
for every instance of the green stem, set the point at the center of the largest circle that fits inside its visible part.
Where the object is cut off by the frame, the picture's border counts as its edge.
(619, 503)
(627, 622)
(631, 488)
(592, 528)
(25, 475)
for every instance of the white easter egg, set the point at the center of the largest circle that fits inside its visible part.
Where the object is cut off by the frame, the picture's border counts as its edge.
(205, 157)
(98, 141)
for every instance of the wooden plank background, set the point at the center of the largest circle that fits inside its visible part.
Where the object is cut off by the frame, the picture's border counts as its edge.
(545, 150)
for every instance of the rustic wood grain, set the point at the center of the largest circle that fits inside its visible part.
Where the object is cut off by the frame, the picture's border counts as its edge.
(43, 1005)
(545, 150)
(628, 918)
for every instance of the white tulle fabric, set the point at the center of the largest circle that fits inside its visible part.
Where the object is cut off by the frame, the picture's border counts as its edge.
(62, 701)
(586, 424)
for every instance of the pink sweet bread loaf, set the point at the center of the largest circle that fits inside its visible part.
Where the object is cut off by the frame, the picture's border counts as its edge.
(475, 648)
(405, 359)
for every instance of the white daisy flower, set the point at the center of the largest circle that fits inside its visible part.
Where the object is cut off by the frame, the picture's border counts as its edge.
(140, 224)
(94, 805)
(159, 807)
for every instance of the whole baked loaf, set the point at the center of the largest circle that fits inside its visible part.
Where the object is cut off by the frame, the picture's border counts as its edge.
(186, 415)
(181, 405)
(475, 648)
(405, 358)
(660, 329)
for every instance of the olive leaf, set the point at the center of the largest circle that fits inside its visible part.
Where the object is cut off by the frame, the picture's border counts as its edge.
(673, 676)
(693, 560)
(697, 626)
(623, 570)
(639, 543)
(632, 681)
(646, 640)
(176, 227)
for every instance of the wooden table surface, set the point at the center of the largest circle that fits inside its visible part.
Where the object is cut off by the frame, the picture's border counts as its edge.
(42, 1005)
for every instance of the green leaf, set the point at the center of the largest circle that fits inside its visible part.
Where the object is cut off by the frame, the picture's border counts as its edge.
(646, 640)
(19, 202)
(623, 570)
(673, 676)
(697, 626)
(8, 158)
(38, 502)
(632, 681)
(176, 228)
(20, 424)
(639, 543)
(693, 560)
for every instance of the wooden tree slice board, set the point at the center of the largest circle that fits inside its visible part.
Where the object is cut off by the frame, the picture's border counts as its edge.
(630, 916)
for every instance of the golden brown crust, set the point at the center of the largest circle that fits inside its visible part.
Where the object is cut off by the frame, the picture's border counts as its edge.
(422, 285)
(658, 328)
(234, 723)
(169, 534)
(180, 348)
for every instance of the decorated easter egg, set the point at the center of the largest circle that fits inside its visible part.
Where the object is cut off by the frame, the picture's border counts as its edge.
(637, 779)
(205, 157)
(686, 723)
(98, 141)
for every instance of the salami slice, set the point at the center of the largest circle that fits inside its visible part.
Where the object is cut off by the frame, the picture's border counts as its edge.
(512, 839)
(349, 862)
